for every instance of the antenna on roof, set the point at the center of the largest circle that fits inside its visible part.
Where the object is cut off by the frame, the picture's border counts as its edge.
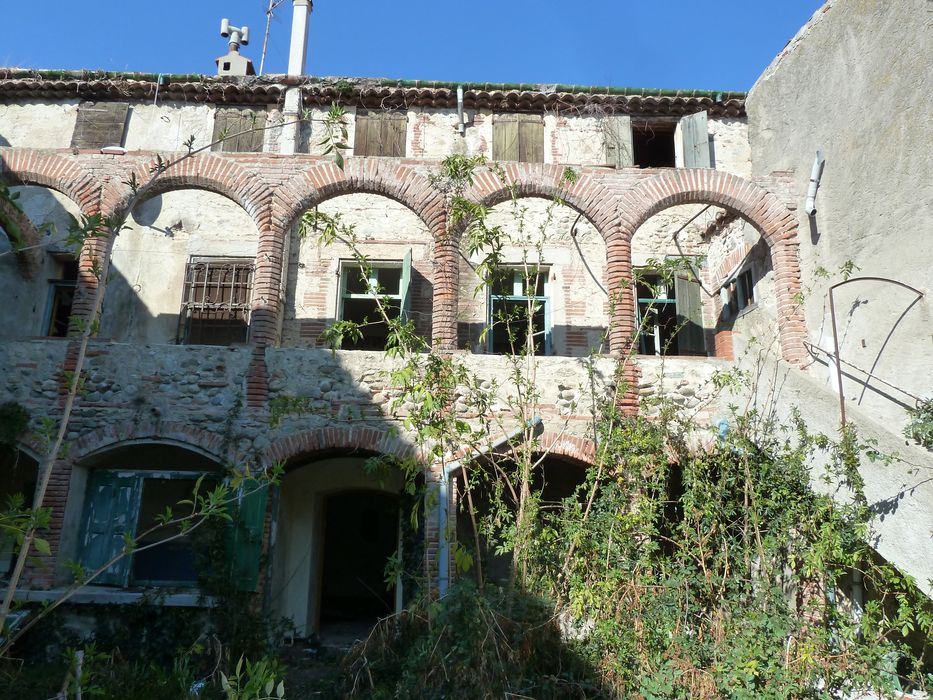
(265, 42)
(233, 63)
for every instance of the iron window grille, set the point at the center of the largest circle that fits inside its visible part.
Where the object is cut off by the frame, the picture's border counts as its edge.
(216, 301)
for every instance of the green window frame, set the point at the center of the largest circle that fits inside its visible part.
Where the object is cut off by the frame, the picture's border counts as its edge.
(389, 280)
(669, 315)
(738, 293)
(512, 294)
(115, 506)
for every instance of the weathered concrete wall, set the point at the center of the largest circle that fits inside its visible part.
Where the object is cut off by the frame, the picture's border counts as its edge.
(27, 124)
(148, 266)
(856, 83)
(26, 301)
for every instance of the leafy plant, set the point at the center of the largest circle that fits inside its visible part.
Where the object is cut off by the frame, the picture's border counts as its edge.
(920, 424)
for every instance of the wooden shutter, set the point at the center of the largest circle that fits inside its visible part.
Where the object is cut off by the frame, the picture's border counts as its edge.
(695, 134)
(518, 137)
(244, 534)
(234, 121)
(530, 138)
(405, 304)
(380, 134)
(505, 137)
(690, 340)
(99, 124)
(111, 507)
(617, 134)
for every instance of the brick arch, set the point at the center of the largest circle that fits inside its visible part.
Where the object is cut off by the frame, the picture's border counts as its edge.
(579, 450)
(223, 176)
(28, 167)
(587, 195)
(404, 184)
(324, 180)
(163, 432)
(322, 441)
(774, 220)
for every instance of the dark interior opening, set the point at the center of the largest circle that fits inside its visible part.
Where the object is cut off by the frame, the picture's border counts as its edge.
(360, 534)
(18, 478)
(653, 145)
(555, 479)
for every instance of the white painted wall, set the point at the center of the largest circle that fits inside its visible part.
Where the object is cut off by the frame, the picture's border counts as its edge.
(38, 124)
(148, 267)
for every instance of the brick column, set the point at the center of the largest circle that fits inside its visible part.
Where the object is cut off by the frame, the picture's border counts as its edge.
(446, 292)
(266, 311)
(622, 321)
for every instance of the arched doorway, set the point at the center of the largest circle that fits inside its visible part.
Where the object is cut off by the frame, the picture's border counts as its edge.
(338, 524)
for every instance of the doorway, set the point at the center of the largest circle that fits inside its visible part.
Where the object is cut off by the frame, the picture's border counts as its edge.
(361, 533)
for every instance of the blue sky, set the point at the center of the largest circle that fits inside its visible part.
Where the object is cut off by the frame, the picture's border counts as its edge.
(723, 45)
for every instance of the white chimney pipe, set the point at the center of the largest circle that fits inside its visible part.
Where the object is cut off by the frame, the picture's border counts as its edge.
(298, 49)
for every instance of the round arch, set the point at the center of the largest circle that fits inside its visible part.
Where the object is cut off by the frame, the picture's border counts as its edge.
(761, 208)
(175, 434)
(586, 196)
(324, 180)
(222, 176)
(62, 174)
(323, 442)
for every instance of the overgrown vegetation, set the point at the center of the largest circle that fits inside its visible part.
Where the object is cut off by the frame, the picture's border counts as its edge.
(920, 424)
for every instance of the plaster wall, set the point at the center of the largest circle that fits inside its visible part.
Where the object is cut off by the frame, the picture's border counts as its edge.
(855, 83)
(148, 266)
(299, 546)
(166, 126)
(26, 300)
(27, 124)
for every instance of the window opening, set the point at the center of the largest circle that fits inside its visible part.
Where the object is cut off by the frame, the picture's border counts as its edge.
(360, 288)
(380, 134)
(669, 316)
(738, 293)
(653, 145)
(170, 563)
(99, 124)
(518, 137)
(216, 301)
(61, 298)
(241, 128)
(513, 296)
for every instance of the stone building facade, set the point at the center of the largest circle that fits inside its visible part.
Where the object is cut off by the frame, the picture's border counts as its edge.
(172, 393)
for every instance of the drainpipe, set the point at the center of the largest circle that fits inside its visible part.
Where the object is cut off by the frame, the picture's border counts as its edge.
(460, 122)
(443, 504)
(297, 54)
(816, 173)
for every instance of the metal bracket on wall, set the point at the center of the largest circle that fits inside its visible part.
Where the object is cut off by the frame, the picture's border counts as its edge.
(832, 316)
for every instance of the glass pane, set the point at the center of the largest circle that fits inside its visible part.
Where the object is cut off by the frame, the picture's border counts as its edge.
(510, 326)
(390, 280)
(170, 561)
(355, 282)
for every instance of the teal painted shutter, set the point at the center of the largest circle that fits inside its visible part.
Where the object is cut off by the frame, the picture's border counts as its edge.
(244, 534)
(110, 511)
(405, 285)
(617, 133)
(689, 317)
(695, 134)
